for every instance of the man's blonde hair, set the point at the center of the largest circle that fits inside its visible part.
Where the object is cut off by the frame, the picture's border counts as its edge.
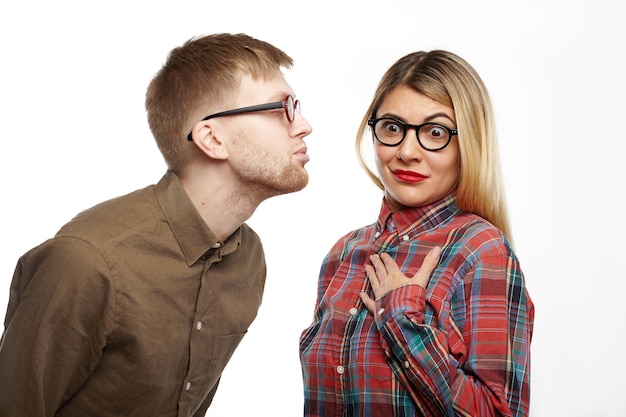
(199, 77)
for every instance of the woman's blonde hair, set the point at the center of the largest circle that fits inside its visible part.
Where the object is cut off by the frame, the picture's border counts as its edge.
(201, 76)
(451, 81)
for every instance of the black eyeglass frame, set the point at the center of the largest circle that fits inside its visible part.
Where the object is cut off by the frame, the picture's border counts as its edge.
(372, 123)
(260, 107)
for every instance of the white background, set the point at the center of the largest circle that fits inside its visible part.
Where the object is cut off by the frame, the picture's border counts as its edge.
(72, 123)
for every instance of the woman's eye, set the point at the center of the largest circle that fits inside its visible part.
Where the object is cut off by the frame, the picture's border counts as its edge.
(437, 132)
(392, 128)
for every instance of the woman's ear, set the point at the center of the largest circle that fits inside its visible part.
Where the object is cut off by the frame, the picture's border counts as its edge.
(209, 142)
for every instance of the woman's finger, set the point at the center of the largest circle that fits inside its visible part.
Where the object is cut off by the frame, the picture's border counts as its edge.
(428, 266)
(379, 266)
(369, 303)
(373, 277)
(389, 263)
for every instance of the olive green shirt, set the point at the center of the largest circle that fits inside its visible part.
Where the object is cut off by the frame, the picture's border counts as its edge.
(132, 309)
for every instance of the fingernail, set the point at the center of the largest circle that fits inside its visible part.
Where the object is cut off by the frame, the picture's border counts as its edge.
(435, 252)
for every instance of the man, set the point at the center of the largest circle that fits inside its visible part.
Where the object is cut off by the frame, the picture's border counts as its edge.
(137, 304)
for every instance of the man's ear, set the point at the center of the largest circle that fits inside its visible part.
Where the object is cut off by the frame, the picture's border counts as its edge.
(209, 143)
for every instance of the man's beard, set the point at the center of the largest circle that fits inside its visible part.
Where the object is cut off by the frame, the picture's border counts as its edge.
(267, 175)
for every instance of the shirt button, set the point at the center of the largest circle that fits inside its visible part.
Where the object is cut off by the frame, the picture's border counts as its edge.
(406, 364)
(377, 234)
(187, 386)
(199, 325)
(381, 311)
(405, 237)
(340, 370)
(353, 311)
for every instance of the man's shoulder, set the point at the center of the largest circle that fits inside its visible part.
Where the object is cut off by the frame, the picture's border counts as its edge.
(109, 218)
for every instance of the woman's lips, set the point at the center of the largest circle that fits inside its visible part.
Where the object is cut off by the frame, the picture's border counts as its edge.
(409, 176)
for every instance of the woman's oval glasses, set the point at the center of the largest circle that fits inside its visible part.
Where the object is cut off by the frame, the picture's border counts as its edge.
(431, 136)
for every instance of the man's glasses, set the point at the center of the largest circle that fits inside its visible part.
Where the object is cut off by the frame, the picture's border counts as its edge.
(289, 104)
(431, 136)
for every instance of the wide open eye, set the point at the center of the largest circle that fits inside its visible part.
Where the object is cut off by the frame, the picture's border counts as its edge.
(389, 128)
(434, 132)
(389, 131)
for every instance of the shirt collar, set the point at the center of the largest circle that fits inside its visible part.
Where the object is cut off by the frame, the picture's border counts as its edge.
(191, 232)
(415, 220)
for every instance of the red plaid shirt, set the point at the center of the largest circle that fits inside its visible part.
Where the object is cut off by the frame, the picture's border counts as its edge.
(460, 347)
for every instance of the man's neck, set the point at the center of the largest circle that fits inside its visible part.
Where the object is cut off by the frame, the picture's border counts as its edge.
(222, 206)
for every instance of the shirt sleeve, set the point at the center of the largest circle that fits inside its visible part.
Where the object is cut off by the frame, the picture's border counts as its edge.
(61, 308)
(478, 366)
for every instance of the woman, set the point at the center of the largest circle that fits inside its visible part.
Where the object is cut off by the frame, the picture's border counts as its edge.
(387, 338)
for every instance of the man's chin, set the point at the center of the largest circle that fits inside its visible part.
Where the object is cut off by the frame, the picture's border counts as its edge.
(300, 185)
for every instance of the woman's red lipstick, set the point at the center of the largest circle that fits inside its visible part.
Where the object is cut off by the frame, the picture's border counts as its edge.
(409, 176)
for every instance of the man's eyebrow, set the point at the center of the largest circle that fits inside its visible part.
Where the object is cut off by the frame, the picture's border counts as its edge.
(282, 96)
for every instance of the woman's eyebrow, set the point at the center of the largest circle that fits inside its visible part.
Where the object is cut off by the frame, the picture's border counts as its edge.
(427, 119)
(437, 115)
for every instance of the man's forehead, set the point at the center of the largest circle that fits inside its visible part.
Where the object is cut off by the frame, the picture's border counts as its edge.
(260, 90)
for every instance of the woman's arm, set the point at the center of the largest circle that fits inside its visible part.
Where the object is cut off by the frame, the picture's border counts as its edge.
(481, 369)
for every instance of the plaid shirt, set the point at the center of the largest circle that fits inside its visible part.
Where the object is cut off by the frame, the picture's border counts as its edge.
(460, 347)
